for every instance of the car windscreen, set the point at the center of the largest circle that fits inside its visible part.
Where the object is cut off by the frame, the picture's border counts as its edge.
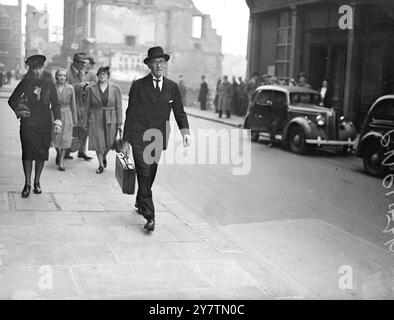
(302, 98)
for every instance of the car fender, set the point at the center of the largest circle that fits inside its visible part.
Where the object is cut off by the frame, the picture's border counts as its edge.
(311, 130)
(348, 130)
(365, 140)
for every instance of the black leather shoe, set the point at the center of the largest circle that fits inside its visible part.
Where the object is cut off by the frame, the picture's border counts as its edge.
(150, 225)
(100, 170)
(26, 190)
(84, 156)
(37, 188)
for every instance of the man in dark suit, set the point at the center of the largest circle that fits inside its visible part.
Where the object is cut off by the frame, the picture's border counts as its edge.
(202, 96)
(146, 128)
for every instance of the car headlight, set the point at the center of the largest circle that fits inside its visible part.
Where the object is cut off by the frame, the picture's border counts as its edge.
(320, 120)
(343, 122)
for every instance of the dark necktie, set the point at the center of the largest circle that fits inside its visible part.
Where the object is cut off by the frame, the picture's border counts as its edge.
(157, 89)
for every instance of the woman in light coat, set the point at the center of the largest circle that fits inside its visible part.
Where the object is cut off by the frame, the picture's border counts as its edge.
(104, 115)
(66, 98)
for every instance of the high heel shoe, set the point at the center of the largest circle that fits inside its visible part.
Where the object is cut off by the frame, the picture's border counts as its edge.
(37, 188)
(62, 168)
(105, 163)
(100, 170)
(26, 190)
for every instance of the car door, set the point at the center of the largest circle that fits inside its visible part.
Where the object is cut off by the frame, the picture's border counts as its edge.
(279, 107)
(382, 119)
(261, 113)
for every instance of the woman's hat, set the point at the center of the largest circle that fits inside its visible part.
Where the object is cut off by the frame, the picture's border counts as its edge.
(102, 69)
(35, 61)
(156, 52)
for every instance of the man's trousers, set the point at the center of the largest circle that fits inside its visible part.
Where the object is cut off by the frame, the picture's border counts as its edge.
(146, 173)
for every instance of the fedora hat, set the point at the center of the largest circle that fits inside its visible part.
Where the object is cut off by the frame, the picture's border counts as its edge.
(35, 60)
(91, 60)
(156, 52)
(80, 56)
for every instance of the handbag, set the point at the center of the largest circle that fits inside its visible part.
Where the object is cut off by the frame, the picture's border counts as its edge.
(118, 143)
(79, 135)
(125, 173)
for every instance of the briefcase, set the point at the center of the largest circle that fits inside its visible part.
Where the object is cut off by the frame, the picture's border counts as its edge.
(125, 173)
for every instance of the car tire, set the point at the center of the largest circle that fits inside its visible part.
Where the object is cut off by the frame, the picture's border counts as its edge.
(373, 157)
(297, 140)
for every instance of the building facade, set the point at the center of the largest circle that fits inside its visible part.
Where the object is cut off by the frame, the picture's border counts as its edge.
(37, 31)
(290, 36)
(119, 33)
(11, 36)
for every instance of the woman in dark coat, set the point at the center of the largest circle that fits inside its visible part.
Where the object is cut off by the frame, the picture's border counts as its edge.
(104, 119)
(31, 101)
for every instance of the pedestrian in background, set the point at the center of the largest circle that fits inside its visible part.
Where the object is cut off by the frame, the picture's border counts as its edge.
(151, 100)
(302, 80)
(234, 99)
(68, 111)
(243, 98)
(216, 100)
(203, 93)
(182, 89)
(225, 96)
(34, 101)
(251, 86)
(76, 77)
(90, 72)
(9, 76)
(325, 94)
(104, 115)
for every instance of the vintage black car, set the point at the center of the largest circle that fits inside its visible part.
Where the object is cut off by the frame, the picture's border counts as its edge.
(307, 124)
(376, 138)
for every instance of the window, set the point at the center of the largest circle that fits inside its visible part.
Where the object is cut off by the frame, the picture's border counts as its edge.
(263, 97)
(130, 41)
(283, 45)
(279, 98)
(197, 27)
(304, 98)
(385, 110)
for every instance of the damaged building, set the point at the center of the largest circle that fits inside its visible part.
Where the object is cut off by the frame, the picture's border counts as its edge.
(119, 33)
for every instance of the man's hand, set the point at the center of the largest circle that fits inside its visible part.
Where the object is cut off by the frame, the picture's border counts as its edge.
(126, 149)
(187, 140)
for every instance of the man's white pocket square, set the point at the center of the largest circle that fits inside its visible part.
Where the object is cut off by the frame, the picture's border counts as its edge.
(171, 101)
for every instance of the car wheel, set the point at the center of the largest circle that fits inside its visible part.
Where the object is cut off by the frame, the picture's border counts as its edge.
(373, 157)
(297, 140)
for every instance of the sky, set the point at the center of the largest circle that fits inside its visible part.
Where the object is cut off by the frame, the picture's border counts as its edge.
(229, 18)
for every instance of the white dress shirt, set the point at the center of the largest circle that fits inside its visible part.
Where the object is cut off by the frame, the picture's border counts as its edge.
(160, 82)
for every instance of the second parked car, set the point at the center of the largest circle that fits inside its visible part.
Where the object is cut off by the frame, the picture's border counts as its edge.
(377, 137)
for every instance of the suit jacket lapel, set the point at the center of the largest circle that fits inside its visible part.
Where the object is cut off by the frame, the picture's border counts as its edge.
(95, 91)
(150, 90)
